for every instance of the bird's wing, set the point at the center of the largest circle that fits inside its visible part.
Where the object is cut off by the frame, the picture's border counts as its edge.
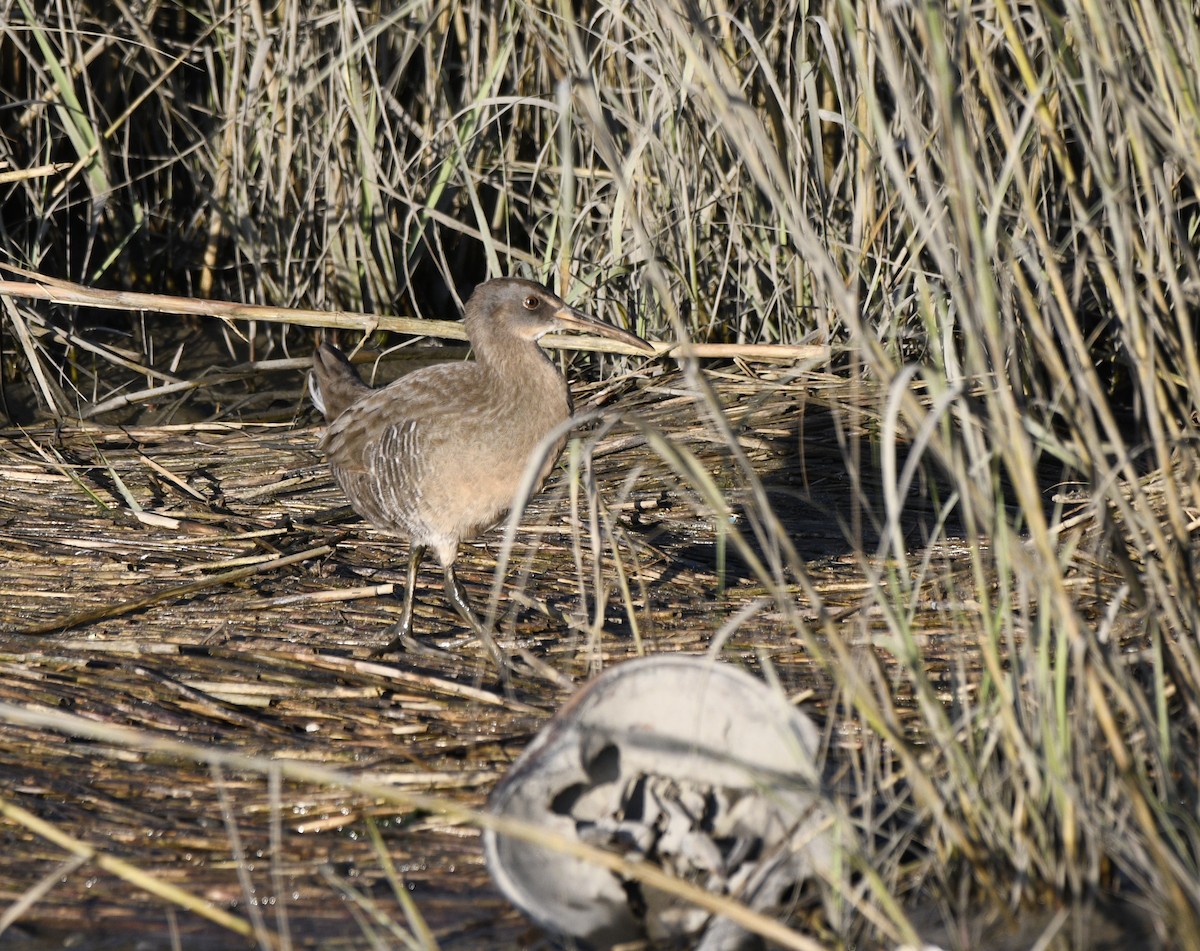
(378, 446)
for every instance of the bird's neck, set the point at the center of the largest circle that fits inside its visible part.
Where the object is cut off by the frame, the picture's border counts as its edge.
(502, 350)
(522, 370)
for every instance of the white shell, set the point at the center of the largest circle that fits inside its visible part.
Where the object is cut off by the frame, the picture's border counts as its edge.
(689, 763)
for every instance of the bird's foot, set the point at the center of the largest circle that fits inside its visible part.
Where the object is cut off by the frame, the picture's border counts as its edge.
(404, 643)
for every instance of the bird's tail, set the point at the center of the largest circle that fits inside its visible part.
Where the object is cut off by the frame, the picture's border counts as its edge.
(333, 382)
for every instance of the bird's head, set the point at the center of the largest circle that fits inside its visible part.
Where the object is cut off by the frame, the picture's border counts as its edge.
(511, 308)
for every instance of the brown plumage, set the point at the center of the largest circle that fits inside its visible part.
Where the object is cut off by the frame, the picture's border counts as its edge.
(437, 455)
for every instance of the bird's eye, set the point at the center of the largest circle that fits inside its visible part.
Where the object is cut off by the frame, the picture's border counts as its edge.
(531, 302)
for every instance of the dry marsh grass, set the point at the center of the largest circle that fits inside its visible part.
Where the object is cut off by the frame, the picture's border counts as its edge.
(970, 537)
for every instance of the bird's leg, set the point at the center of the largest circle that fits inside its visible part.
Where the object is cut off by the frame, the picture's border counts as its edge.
(401, 632)
(457, 595)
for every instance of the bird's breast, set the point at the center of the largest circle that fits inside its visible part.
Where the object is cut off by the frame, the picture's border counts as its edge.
(440, 453)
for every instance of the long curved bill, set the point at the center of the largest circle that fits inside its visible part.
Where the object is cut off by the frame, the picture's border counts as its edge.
(568, 318)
